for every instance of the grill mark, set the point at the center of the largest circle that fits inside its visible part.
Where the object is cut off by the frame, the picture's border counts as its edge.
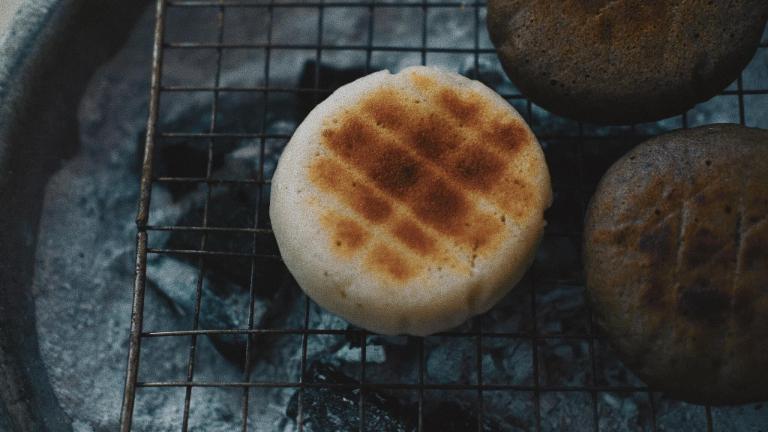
(430, 138)
(422, 82)
(436, 139)
(403, 178)
(414, 237)
(478, 169)
(442, 206)
(472, 167)
(396, 171)
(704, 247)
(327, 174)
(678, 267)
(489, 169)
(423, 160)
(347, 236)
(754, 255)
(332, 175)
(386, 261)
(387, 108)
(521, 197)
(508, 136)
(467, 106)
(464, 108)
(436, 132)
(703, 302)
(658, 244)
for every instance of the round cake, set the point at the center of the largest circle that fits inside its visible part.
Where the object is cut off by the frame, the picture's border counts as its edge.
(676, 257)
(407, 203)
(624, 61)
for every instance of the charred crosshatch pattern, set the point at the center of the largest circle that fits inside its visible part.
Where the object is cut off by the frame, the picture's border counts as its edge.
(430, 153)
(526, 320)
(687, 231)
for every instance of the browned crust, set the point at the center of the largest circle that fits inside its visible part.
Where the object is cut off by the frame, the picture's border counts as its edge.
(677, 272)
(347, 235)
(417, 168)
(624, 61)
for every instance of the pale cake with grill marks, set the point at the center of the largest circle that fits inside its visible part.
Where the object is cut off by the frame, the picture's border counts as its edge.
(676, 256)
(407, 203)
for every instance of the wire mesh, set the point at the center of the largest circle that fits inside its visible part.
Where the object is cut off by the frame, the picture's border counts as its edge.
(573, 187)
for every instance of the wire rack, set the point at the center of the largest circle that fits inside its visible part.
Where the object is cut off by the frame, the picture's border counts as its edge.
(574, 175)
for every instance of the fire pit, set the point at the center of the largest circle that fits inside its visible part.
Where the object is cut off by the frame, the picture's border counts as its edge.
(221, 337)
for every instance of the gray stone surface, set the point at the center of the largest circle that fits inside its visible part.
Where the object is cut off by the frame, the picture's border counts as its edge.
(7, 11)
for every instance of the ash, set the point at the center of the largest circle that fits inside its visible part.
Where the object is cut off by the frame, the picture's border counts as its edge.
(85, 259)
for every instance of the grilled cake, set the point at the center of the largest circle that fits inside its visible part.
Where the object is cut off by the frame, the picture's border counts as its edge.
(407, 203)
(624, 61)
(676, 256)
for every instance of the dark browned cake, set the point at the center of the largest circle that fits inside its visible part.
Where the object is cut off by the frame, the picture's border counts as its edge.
(676, 255)
(624, 61)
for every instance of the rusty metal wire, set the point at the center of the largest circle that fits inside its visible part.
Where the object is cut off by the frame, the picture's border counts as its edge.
(478, 333)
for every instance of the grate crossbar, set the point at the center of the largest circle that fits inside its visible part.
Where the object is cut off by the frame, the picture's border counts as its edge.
(578, 185)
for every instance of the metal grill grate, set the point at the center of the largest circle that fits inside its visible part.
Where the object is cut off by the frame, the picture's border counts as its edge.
(564, 145)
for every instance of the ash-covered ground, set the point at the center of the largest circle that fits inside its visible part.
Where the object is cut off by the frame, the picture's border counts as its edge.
(85, 259)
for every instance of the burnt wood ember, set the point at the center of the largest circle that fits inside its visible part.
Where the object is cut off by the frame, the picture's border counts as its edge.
(337, 409)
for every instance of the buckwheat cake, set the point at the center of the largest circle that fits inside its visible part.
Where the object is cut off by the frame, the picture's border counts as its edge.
(407, 203)
(676, 257)
(624, 61)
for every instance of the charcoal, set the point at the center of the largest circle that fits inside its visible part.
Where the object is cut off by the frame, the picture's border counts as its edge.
(392, 359)
(223, 305)
(188, 156)
(507, 360)
(457, 411)
(624, 411)
(337, 409)
(229, 207)
(184, 157)
(562, 309)
(564, 362)
(224, 308)
(294, 313)
(450, 416)
(450, 360)
(566, 411)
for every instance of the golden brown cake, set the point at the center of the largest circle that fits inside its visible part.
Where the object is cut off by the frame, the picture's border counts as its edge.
(409, 202)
